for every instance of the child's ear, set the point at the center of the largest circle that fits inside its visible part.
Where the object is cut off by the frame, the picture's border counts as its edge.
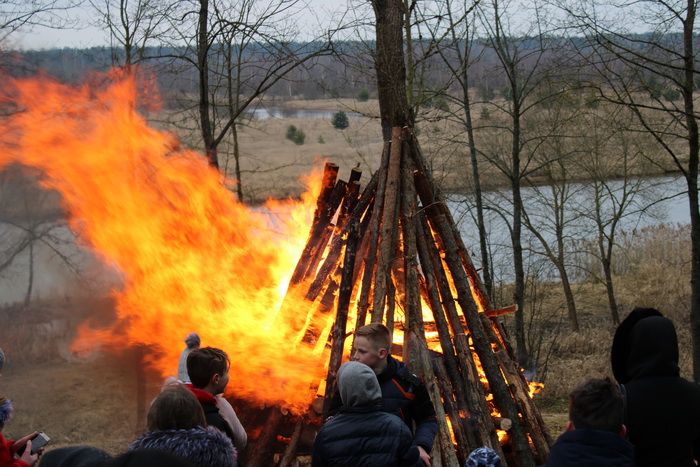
(383, 353)
(215, 379)
(570, 426)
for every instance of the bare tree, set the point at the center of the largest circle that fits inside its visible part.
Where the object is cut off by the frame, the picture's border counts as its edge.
(25, 14)
(525, 61)
(646, 56)
(132, 25)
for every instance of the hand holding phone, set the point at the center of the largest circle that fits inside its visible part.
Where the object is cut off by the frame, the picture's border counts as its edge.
(38, 441)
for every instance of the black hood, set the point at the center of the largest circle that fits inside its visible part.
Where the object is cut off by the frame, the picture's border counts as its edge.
(645, 345)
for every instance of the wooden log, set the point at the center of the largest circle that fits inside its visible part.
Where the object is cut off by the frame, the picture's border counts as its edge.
(425, 179)
(501, 311)
(448, 455)
(260, 455)
(453, 259)
(409, 260)
(479, 425)
(501, 423)
(459, 419)
(330, 174)
(324, 233)
(371, 259)
(338, 334)
(331, 262)
(388, 224)
(291, 450)
(355, 174)
(466, 441)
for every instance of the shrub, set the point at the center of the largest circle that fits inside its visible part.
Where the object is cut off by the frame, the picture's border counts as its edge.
(321, 140)
(291, 131)
(296, 135)
(340, 120)
(362, 95)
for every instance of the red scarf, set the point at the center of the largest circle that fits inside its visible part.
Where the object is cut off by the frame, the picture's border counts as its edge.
(202, 396)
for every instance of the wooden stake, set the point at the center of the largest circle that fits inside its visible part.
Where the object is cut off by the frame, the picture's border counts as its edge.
(388, 224)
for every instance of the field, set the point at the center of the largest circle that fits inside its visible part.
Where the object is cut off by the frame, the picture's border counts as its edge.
(95, 400)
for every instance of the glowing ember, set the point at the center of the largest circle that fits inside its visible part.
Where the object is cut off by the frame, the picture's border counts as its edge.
(191, 257)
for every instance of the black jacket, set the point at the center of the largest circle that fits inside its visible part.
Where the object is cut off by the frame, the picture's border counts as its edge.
(365, 436)
(663, 409)
(591, 448)
(404, 395)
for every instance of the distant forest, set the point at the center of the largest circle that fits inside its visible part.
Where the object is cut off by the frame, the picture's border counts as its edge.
(346, 71)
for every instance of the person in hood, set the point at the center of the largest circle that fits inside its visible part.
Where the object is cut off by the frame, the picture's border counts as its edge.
(662, 409)
(361, 434)
(176, 424)
(403, 393)
(594, 435)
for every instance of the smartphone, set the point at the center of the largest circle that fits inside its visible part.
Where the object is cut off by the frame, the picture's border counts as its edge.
(38, 442)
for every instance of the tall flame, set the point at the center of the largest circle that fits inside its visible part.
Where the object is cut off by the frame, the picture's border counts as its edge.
(191, 257)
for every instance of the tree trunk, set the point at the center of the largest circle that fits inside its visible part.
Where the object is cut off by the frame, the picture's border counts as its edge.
(390, 65)
(692, 177)
(203, 68)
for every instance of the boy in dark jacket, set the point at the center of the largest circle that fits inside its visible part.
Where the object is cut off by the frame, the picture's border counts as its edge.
(208, 370)
(363, 435)
(403, 393)
(595, 432)
(663, 409)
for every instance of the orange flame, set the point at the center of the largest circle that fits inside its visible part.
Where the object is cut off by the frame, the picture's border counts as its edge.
(191, 257)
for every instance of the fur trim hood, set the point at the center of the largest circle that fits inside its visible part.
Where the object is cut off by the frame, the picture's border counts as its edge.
(5, 411)
(204, 447)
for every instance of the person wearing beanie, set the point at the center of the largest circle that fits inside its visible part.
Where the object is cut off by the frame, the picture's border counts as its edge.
(361, 434)
(192, 341)
(75, 456)
(662, 412)
(9, 450)
(483, 457)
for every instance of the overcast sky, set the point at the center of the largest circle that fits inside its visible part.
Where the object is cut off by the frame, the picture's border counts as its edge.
(91, 36)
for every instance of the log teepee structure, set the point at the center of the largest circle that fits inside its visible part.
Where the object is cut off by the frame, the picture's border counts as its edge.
(393, 254)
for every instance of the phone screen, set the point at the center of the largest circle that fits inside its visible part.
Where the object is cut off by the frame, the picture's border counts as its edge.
(39, 441)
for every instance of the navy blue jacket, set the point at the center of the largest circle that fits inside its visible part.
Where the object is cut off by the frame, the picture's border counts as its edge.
(365, 436)
(404, 395)
(591, 448)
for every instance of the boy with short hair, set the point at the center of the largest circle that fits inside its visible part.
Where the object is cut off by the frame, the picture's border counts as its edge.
(595, 431)
(208, 370)
(403, 393)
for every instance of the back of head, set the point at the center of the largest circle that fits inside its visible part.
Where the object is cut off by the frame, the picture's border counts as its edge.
(175, 409)
(358, 385)
(74, 456)
(204, 363)
(378, 334)
(597, 404)
(645, 345)
(203, 447)
(148, 458)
